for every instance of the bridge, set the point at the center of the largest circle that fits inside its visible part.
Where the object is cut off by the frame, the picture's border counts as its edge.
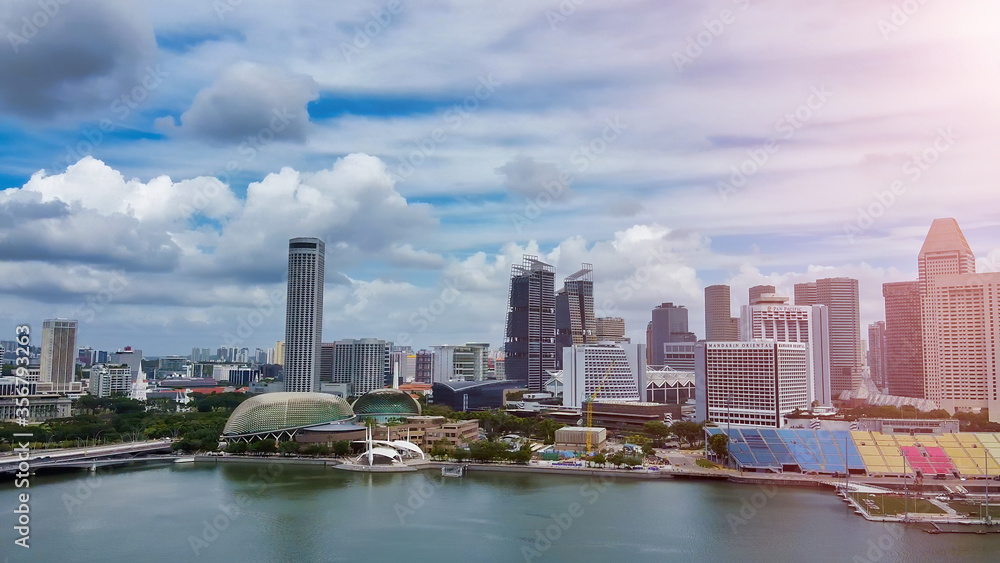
(87, 457)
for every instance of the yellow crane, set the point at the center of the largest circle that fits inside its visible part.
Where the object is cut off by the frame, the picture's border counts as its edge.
(590, 407)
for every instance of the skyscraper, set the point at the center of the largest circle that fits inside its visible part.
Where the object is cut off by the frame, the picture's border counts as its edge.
(365, 364)
(610, 372)
(58, 361)
(304, 314)
(610, 329)
(575, 311)
(876, 353)
(719, 323)
(840, 295)
(530, 346)
(669, 324)
(758, 290)
(904, 351)
(960, 313)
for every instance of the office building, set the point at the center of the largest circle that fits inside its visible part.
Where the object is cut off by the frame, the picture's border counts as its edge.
(304, 314)
(326, 362)
(750, 383)
(58, 360)
(960, 312)
(720, 326)
(669, 324)
(129, 357)
(279, 353)
(679, 355)
(404, 364)
(468, 362)
(530, 347)
(575, 311)
(904, 350)
(424, 366)
(757, 291)
(364, 364)
(610, 329)
(773, 319)
(171, 366)
(876, 353)
(603, 372)
(840, 296)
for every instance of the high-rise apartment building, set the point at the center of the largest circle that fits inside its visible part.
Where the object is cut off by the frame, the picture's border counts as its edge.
(365, 364)
(605, 372)
(960, 316)
(575, 311)
(326, 362)
(773, 319)
(759, 290)
(876, 354)
(720, 326)
(279, 353)
(904, 349)
(669, 324)
(750, 383)
(468, 362)
(424, 368)
(58, 361)
(530, 347)
(610, 329)
(840, 295)
(304, 314)
(113, 380)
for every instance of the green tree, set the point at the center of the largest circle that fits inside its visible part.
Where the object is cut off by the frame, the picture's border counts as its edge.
(656, 430)
(460, 454)
(522, 456)
(341, 448)
(289, 448)
(719, 444)
(265, 446)
(600, 459)
(236, 448)
(690, 432)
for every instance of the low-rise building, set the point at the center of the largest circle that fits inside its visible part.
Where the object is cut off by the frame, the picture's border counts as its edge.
(574, 438)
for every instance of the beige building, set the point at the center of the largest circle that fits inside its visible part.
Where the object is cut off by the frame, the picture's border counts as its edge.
(574, 439)
(425, 430)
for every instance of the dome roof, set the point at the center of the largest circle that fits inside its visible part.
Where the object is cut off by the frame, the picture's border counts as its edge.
(279, 411)
(386, 401)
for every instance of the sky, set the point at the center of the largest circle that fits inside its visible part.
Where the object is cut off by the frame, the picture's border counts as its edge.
(155, 157)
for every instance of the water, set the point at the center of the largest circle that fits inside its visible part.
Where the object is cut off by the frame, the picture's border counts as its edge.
(295, 513)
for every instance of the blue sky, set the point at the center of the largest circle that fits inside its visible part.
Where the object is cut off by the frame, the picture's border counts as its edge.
(155, 159)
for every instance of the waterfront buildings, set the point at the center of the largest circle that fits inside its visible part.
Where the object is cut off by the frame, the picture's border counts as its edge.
(304, 314)
(904, 356)
(58, 360)
(750, 383)
(603, 372)
(575, 311)
(530, 347)
(840, 296)
(720, 326)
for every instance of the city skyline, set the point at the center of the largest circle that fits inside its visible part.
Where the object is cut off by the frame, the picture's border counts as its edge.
(421, 201)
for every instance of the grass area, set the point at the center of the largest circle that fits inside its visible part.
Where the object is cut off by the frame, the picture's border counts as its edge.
(890, 505)
(966, 507)
(706, 464)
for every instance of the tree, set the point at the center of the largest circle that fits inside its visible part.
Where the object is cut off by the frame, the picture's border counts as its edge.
(600, 459)
(316, 450)
(289, 448)
(690, 432)
(460, 454)
(522, 456)
(616, 459)
(656, 430)
(341, 448)
(236, 448)
(719, 444)
(647, 450)
(265, 446)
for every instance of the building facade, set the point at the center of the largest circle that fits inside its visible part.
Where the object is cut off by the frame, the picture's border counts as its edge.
(840, 296)
(304, 314)
(58, 360)
(720, 326)
(364, 364)
(669, 324)
(757, 291)
(468, 362)
(608, 372)
(575, 311)
(610, 329)
(530, 347)
(750, 383)
(904, 349)
(876, 353)
(111, 380)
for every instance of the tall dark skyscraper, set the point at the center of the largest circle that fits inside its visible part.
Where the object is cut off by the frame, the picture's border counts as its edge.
(669, 324)
(904, 350)
(876, 353)
(720, 325)
(304, 314)
(575, 311)
(840, 295)
(530, 346)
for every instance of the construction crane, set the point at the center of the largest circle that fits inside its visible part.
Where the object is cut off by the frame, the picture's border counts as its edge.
(590, 407)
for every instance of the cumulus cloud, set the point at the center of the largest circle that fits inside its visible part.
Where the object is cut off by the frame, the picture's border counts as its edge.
(73, 57)
(525, 176)
(249, 102)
